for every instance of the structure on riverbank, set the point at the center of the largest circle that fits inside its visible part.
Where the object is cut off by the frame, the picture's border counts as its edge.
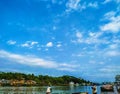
(15, 82)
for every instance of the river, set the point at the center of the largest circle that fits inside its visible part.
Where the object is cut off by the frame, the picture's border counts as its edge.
(42, 89)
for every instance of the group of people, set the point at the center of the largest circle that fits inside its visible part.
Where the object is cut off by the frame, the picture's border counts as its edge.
(94, 89)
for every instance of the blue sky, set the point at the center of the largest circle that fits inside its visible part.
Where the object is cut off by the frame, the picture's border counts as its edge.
(61, 37)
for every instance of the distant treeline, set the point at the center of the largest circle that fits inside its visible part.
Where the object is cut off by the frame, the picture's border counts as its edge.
(117, 77)
(43, 80)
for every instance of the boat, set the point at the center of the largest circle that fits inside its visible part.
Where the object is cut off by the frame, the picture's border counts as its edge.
(71, 84)
(76, 84)
(108, 87)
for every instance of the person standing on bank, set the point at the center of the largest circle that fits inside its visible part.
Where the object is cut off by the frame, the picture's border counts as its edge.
(49, 90)
(94, 89)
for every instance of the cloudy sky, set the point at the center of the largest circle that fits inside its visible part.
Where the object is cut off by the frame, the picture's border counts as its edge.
(61, 37)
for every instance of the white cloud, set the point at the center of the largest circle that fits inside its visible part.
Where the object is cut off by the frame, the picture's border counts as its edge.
(97, 40)
(73, 4)
(93, 38)
(110, 69)
(114, 22)
(78, 55)
(109, 15)
(66, 69)
(105, 75)
(106, 70)
(68, 66)
(116, 41)
(101, 63)
(57, 1)
(92, 62)
(49, 44)
(29, 44)
(54, 27)
(46, 49)
(113, 26)
(11, 42)
(25, 45)
(96, 62)
(34, 43)
(91, 34)
(94, 5)
(77, 5)
(112, 53)
(35, 61)
(59, 45)
(107, 1)
(113, 46)
(27, 60)
(79, 35)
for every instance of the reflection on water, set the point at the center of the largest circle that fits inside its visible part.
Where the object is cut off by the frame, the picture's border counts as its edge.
(42, 90)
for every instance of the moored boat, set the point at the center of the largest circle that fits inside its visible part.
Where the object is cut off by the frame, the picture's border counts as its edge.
(107, 87)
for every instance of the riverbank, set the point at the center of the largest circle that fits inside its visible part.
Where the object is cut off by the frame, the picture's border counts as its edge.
(21, 79)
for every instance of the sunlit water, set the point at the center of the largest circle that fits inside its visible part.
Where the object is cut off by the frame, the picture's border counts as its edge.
(42, 90)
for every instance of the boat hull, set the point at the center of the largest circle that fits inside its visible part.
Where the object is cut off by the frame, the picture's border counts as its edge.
(106, 88)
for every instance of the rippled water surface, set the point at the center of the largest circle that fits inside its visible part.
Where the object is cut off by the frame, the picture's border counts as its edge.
(42, 89)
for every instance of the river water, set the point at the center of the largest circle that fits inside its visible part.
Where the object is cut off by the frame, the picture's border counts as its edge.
(42, 90)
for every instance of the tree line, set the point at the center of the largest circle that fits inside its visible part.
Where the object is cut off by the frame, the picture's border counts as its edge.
(117, 78)
(43, 79)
